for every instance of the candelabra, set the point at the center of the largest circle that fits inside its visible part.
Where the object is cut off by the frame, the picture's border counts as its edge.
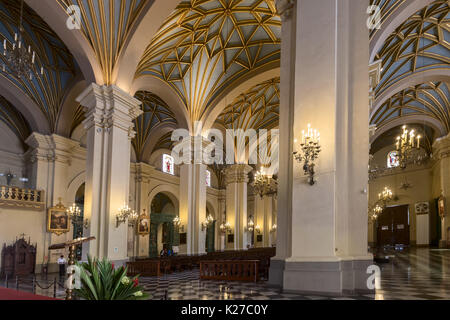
(76, 217)
(205, 224)
(133, 218)
(258, 229)
(406, 144)
(263, 184)
(177, 221)
(250, 225)
(225, 227)
(20, 59)
(385, 195)
(274, 228)
(310, 149)
(124, 213)
(378, 207)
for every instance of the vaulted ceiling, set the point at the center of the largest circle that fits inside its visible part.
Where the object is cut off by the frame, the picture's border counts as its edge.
(420, 44)
(48, 90)
(14, 119)
(207, 46)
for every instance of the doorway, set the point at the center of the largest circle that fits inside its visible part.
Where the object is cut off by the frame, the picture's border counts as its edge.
(393, 227)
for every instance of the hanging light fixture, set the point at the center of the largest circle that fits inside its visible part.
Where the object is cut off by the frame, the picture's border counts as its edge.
(263, 184)
(76, 217)
(385, 195)
(125, 213)
(20, 58)
(407, 147)
(225, 227)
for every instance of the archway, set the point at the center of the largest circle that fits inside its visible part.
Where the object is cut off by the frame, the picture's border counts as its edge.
(164, 234)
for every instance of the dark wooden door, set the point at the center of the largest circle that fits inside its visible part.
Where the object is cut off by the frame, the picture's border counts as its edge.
(393, 226)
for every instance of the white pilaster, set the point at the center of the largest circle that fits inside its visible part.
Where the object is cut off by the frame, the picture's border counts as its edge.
(109, 126)
(236, 192)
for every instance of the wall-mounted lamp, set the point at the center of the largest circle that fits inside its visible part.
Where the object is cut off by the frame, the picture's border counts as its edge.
(205, 224)
(250, 225)
(274, 228)
(225, 227)
(76, 217)
(177, 221)
(124, 213)
(310, 149)
(258, 229)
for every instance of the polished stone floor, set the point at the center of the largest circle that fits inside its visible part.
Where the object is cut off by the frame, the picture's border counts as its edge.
(410, 274)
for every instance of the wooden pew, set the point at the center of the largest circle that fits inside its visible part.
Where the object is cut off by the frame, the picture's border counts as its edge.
(230, 270)
(144, 268)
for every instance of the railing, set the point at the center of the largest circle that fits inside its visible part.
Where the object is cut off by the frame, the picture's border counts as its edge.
(144, 268)
(235, 270)
(22, 198)
(34, 284)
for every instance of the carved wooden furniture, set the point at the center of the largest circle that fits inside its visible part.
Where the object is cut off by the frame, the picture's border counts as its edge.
(231, 270)
(18, 259)
(144, 268)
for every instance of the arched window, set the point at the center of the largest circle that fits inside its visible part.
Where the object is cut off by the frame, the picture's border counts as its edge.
(168, 164)
(392, 160)
(208, 178)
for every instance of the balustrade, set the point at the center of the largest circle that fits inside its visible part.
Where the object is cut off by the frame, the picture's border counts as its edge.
(21, 198)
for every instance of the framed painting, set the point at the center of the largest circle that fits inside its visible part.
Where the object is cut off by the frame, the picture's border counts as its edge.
(143, 225)
(58, 220)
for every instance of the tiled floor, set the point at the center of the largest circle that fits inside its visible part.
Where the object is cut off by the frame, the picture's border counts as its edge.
(413, 274)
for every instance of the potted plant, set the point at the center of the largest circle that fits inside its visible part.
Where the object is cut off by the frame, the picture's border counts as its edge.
(101, 281)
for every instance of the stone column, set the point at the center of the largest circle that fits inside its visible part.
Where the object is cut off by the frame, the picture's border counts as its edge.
(441, 153)
(222, 218)
(109, 126)
(142, 174)
(193, 205)
(236, 177)
(324, 81)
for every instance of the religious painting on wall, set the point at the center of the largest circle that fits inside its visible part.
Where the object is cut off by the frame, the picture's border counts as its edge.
(441, 206)
(144, 225)
(422, 208)
(392, 160)
(58, 220)
(168, 164)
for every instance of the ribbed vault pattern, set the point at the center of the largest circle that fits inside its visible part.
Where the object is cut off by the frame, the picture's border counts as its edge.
(429, 99)
(106, 25)
(13, 119)
(205, 46)
(419, 44)
(59, 67)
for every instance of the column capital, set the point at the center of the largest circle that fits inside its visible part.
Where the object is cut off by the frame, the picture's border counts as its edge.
(441, 148)
(237, 173)
(108, 106)
(51, 148)
(285, 7)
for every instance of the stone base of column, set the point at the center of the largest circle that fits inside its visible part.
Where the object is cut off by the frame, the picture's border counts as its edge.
(276, 273)
(442, 244)
(327, 278)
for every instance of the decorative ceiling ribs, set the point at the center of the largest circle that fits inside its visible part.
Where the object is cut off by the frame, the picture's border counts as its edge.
(49, 89)
(419, 44)
(387, 7)
(205, 46)
(106, 25)
(156, 112)
(14, 119)
(429, 99)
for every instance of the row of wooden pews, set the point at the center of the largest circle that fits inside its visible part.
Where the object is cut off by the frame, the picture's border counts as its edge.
(240, 265)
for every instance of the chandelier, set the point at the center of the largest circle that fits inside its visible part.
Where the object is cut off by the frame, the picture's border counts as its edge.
(76, 217)
(20, 59)
(408, 148)
(378, 207)
(263, 184)
(225, 227)
(385, 195)
(125, 213)
(133, 218)
(310, 149)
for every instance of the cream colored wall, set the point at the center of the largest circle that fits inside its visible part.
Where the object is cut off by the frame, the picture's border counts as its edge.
(421, 179)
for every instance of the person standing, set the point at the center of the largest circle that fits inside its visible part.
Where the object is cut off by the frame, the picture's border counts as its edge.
(62, 266)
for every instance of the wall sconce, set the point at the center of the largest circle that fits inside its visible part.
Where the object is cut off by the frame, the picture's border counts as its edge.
(274, 228)
(225, 227)
(124, 213)
(209, 220)
(250, 225)
(75, 215)
(177, 221)
(310, 149)
(133, 218)
(258, 229)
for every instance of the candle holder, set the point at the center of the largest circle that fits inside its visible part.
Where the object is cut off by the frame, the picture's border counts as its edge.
(310, 149)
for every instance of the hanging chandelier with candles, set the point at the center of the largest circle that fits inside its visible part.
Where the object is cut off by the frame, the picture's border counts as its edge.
(76, 216)
(408, 148)
(20, 59)
(264, 184)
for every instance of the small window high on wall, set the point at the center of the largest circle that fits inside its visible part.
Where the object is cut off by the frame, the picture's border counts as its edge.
(168, 164)
(392, 160)
(208, 178)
